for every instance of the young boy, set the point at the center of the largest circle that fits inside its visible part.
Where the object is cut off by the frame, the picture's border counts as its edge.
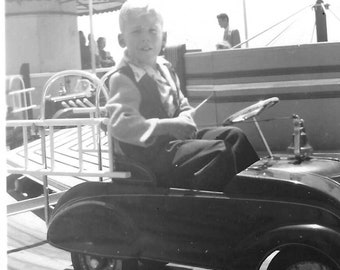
(152, 120)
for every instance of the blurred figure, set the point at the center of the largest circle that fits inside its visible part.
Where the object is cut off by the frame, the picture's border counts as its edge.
(85, 54)
(230, 37)
(92, 42)
(105, 57)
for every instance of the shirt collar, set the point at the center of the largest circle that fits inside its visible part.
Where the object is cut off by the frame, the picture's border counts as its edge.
(138, 70)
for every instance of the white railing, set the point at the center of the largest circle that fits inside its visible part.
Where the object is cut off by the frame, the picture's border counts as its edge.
(48, 165)
(19, 100)
(44, 168)
(47, 126)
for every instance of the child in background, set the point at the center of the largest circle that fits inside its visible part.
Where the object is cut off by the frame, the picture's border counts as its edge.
(153, 121)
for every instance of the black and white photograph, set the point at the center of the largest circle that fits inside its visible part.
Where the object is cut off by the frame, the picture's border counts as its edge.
(170, 134)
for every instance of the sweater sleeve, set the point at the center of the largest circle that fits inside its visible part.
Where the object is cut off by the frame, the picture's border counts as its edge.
(127, 124)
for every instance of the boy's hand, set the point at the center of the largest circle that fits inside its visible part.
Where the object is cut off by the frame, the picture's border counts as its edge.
(181, 127)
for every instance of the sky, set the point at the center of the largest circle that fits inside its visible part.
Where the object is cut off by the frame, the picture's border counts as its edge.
(194, 22)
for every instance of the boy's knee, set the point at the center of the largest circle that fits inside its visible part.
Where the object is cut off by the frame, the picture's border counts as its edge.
(237, 131)
(234, 135)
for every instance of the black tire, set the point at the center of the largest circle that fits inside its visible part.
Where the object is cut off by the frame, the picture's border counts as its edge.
(89, 262)
(296, 259)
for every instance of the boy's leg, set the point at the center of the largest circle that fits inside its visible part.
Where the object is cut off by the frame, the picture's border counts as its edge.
(208, 162)
(195, 164)
(203, 164)
(236, 141)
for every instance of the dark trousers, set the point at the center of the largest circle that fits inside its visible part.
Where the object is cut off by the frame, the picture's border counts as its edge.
(208, 162)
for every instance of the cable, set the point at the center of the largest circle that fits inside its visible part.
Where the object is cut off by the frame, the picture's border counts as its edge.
(271, 27)
(277, 36)
(334, 15)
(314, 27)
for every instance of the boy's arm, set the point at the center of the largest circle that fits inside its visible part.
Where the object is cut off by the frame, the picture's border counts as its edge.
(128, 125)
(185, 108)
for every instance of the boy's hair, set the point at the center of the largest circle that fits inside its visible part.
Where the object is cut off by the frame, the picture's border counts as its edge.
(137, 8)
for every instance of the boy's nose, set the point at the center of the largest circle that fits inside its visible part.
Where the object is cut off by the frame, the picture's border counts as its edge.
(145, 36)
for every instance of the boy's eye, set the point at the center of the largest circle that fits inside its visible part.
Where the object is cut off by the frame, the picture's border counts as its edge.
(153, 30)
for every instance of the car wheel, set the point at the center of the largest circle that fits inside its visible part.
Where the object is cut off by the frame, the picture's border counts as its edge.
(300, 260)
(90, 262)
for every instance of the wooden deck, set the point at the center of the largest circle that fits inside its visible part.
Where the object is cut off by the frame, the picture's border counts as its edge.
(26, 233)
(66, 157)
(27, 247)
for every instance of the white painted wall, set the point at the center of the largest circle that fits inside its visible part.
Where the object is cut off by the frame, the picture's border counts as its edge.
(43, 34)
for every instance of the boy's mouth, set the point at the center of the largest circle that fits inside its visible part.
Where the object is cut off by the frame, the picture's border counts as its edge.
(146, 49)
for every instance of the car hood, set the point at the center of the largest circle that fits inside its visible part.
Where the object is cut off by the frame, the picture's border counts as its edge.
(288, 166)
(316, 180)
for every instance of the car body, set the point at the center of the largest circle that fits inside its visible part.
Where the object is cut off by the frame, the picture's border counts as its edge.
(280, 203)
(285, 208)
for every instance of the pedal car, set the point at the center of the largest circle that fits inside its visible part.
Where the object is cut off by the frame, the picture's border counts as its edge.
(282, 211)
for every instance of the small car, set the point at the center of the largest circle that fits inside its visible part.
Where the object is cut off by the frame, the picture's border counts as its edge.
(282, 212)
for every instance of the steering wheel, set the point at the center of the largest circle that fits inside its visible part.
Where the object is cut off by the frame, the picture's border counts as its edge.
(250, 111)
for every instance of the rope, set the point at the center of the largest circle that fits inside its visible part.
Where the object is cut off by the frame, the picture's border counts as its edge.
(269, 28)
(277, 36)
(334, 15)
(314, 27)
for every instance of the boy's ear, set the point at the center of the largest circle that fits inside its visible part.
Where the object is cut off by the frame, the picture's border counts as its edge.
(121, 41)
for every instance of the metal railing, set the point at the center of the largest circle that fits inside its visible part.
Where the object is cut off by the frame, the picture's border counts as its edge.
(46, 129)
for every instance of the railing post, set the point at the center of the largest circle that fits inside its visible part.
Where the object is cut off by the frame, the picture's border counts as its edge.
(25, 73)
(45, 180)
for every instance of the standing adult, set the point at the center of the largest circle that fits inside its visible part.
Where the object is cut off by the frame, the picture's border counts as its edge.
(230, 37)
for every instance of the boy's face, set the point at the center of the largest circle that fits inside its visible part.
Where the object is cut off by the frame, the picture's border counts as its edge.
(142, 36)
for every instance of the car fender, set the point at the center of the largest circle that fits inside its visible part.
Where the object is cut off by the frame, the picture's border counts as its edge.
(95, 227)
(255, 251)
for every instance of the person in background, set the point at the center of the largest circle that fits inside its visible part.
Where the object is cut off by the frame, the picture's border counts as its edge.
(230, 37)
(153, 121)
(85, 54)
(95, 49)
(105, 57)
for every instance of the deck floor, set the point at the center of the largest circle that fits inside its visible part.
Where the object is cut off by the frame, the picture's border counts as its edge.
(27, 247)
(66, 156)
(26, 233)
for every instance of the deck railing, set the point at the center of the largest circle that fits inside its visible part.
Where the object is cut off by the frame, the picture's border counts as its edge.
(47, 166)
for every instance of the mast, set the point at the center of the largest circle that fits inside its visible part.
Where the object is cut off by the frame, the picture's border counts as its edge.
(92, 44)
(245, 22)
(320, 21)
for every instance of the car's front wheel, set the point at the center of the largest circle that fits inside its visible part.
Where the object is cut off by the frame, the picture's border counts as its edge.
(301, 260)
(90, 262)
